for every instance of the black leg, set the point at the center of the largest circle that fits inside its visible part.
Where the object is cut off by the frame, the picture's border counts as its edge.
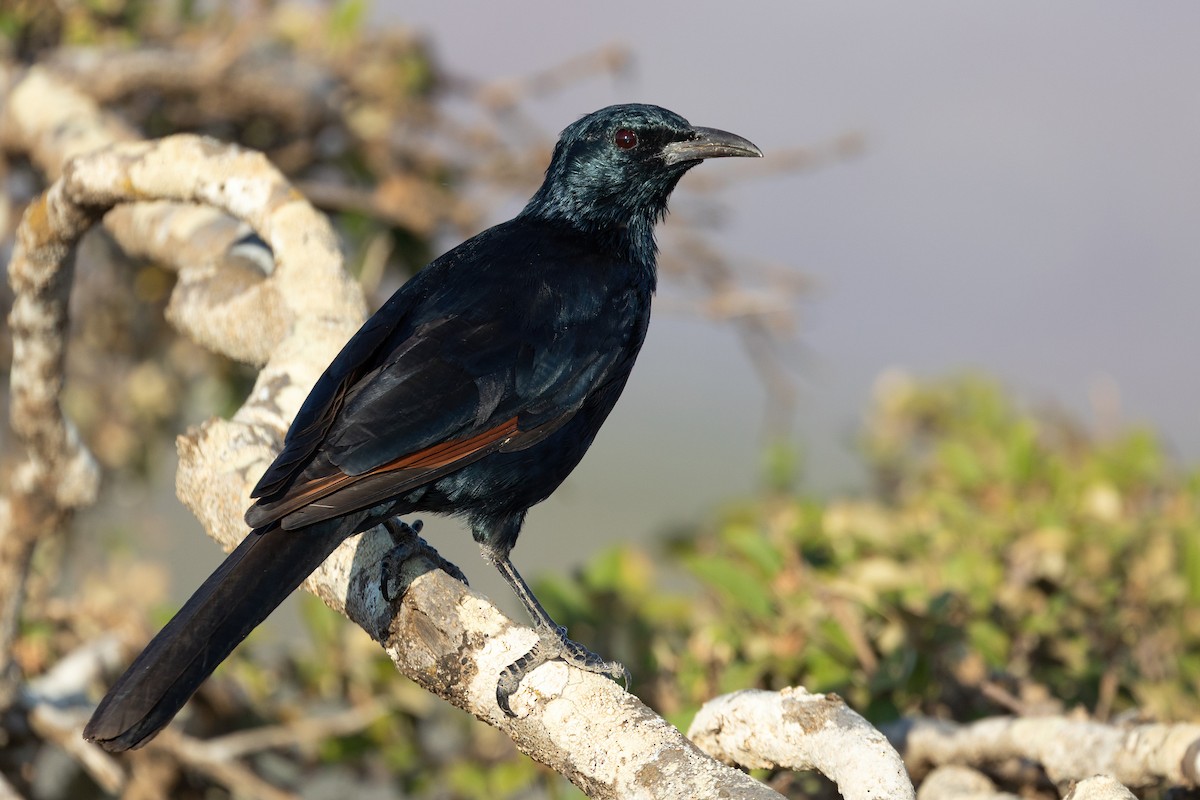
(552, 640)
(408, 544)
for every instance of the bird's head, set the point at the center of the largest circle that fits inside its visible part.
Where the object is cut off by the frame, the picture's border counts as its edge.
(615, 168)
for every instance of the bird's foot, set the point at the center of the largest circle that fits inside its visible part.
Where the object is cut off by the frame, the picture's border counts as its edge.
(553, 644)
(408, 544)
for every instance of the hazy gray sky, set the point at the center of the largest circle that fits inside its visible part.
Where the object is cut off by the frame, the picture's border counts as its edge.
(1028, 205)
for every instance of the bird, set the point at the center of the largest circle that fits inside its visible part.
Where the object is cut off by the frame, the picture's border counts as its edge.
(473, 392)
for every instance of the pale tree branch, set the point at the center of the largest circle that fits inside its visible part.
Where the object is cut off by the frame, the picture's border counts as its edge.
(796, 730)
(956, 782)
(53, 122)
(196, 755)
(1138, 756)
(7, 792)
(57, 474)
(306, 731)
(49, 704)
(62, 727)
(455, 643)
(1099, 787)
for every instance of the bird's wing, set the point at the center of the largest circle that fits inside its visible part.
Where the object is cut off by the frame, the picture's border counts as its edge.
(319, 410)
(416, 404)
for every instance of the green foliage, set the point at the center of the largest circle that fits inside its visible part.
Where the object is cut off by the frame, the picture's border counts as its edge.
(1006, 553)
(346, 20)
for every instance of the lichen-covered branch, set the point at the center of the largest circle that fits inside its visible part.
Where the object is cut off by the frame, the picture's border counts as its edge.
(57, 473)
(956, 782)
(1138, 756)
(54, 122)
(1099, 787)
(794, 729)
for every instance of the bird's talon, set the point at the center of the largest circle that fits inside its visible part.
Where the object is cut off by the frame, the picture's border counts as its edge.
(514, 673)
(387, 569)
(402, 530)
(553, 644)
(407, 545)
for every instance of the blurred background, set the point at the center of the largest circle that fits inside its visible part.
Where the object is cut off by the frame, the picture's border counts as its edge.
(904, 373)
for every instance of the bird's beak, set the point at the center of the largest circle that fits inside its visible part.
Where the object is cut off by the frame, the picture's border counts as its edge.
(709, 143)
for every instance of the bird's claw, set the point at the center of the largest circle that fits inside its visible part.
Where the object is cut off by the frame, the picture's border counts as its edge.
(408, 543)
(553, 644)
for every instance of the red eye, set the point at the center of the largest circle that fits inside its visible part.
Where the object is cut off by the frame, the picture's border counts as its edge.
(625, 139)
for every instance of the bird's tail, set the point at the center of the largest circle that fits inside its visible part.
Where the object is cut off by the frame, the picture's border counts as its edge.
(255, 578)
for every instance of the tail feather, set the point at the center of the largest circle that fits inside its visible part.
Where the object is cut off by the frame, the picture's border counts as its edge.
(252, 581)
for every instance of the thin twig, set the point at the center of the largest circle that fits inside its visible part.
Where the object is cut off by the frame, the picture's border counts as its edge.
(299, 733)
(65, 729)
(238, 779)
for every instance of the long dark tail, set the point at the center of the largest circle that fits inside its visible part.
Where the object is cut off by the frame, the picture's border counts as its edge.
(256, 577)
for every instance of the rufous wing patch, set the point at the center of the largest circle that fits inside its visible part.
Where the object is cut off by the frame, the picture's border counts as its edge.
(434, 460)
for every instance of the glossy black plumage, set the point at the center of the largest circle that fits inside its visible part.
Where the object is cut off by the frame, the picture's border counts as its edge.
(473, 391)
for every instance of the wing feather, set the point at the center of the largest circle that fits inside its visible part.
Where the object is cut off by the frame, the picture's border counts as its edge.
(344, 492)
(433, 383)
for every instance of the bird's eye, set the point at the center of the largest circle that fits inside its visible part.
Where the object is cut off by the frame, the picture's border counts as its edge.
(625, 139)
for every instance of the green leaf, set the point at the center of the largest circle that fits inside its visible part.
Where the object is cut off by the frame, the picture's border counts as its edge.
(346, 20)
(990, 641)
(745, 591)
(752, 543)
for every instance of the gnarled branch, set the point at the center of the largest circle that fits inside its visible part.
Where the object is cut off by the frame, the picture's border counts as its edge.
(1138, 756)
(797, 730)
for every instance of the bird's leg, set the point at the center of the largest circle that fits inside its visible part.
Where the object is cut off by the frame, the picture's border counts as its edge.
(407, 544)
(552, 640)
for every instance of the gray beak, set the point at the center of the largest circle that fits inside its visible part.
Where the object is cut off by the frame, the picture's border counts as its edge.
(709, 143)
